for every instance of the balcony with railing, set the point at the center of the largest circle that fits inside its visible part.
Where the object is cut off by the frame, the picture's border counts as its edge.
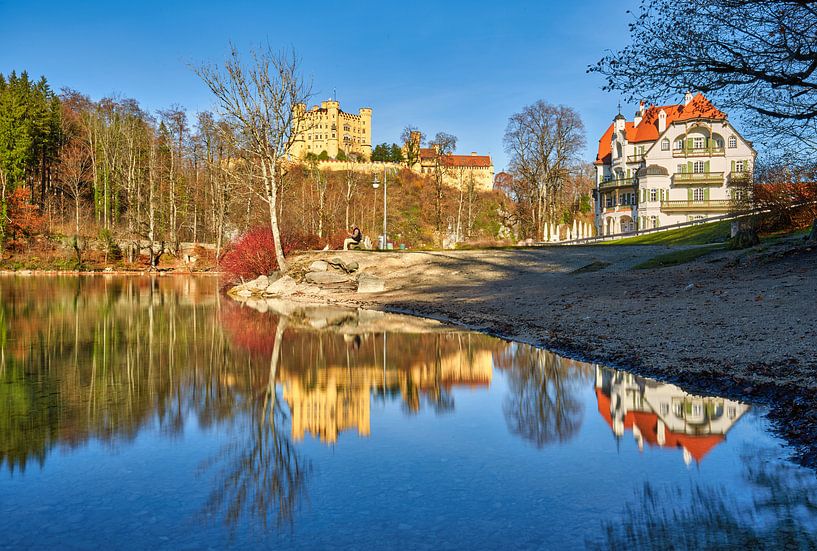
(699, 152)
(696, 178)
(616, 183)
(704, 205)
(637, 158)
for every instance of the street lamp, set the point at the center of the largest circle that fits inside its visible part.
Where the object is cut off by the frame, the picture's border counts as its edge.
(375, 185)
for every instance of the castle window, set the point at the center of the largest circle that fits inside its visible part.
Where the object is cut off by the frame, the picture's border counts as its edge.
(733, 142)
(665, 144)
(698, 167)
(698, 194)
(653, 195)
(679, 143)
(698, 142)
(740, 166)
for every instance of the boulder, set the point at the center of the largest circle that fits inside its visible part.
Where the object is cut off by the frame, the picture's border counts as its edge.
(319, 266)
(370, 284)
(259, 283)
(281, 286)
(346, 267)
(326, 278)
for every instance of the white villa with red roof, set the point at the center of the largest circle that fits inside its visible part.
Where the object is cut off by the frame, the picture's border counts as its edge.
(671, 164)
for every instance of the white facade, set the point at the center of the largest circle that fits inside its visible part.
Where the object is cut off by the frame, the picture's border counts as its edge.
(671, 164)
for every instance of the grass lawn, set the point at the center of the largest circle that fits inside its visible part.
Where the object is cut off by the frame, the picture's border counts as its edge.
(703, 234)
(677, 257)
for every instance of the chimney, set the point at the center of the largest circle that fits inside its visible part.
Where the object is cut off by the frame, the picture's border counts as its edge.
(662, 121)
(639, 114)
(687, 97)
(473, 153)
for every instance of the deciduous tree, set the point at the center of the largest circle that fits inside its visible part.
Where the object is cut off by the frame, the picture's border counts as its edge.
(262, 100)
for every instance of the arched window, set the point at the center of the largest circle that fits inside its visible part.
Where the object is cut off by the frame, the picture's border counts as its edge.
(679, 143)
(665, 144)
(733, 142)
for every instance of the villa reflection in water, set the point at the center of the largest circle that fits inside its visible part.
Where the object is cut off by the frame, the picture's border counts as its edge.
(664, 415)
(275, 405)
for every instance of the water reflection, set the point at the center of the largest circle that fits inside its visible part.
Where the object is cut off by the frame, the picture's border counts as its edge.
(108, 359)
(664, 415)
(781, 512)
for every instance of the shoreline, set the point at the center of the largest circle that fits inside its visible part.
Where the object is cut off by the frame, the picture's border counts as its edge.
(162, 273)
(735, 324)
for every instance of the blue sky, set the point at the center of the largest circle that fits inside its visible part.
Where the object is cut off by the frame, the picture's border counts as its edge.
(460, 67)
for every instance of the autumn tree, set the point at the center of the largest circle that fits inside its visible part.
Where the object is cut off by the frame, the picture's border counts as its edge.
(412, 140)
(262, 100)
(543, 141)
(444, 145)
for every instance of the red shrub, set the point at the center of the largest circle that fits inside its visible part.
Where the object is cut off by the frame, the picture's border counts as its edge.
(787, 206)
(25, 219)
(253, 254)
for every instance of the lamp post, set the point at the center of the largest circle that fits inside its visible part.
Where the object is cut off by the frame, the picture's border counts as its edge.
(375, 185)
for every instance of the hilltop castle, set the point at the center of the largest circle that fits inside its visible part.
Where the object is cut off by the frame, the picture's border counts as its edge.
(328, 128)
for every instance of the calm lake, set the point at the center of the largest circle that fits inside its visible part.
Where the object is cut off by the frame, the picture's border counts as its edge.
(144, 412)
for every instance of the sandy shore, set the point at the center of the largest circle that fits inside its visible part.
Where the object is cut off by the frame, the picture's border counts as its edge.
(736, 324)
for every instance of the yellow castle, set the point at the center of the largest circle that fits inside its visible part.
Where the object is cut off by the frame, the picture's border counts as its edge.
(328, 128)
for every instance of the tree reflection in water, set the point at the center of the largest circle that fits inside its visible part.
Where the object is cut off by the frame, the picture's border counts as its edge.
(542, 406)
(781, 514)
(262, 474)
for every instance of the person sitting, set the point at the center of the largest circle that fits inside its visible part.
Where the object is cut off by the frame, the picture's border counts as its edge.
(353, 241)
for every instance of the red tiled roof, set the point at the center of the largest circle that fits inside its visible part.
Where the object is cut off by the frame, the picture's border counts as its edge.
(697, 445)
(457, 160)
(467, 160)
(647, 130)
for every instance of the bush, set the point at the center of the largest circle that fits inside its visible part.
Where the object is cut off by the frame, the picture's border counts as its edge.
(253, 254)
(24, 219)
(787, 206)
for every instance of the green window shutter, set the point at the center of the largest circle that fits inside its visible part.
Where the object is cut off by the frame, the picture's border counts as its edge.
(706, 166)
(706, 194)
(629, 173)
(689, 194)
(689, 143)
(689, 167)
(733, 165)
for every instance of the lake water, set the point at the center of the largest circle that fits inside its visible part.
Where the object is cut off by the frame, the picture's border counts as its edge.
(156, 413)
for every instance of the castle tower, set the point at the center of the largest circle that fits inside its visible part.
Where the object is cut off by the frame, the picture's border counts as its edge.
(366, 122)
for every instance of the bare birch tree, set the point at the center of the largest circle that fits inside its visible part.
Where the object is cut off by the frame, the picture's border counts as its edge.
(263, 101)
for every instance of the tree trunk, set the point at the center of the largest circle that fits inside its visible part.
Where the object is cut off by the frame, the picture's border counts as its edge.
(812, 236)
(268, 170)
